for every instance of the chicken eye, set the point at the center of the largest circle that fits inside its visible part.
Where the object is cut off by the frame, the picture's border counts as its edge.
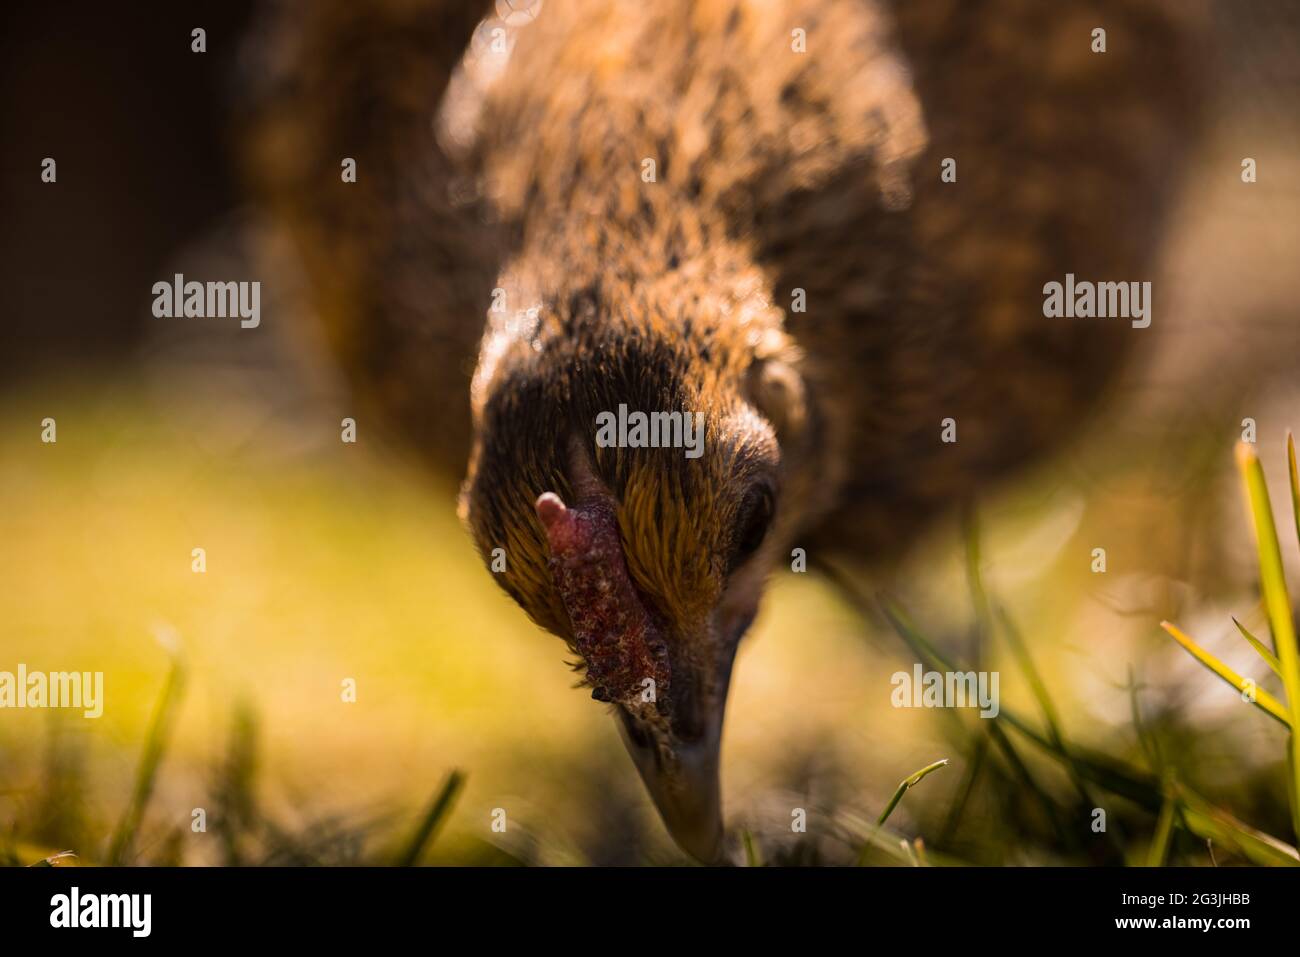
(751, 526)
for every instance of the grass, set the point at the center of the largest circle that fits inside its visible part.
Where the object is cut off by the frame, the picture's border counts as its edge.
(904, 786)
(244, 825)
(911, 781)
(438, 811)
(1249, 691)
(1286, 661)
(248, 834)
(1270, 659)
(160, 727)
(1174, 804)
(371, 580)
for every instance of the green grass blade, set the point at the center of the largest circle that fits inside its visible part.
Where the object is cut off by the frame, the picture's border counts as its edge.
(903, 786)
(1263, 700)
(1159, 850)
(984, 611)
(160, 726)
(1045, 704)
(958, 809)
(912, 636)
(906, 784)
(439, 810)
(1150, 745)
(936, 661)
(1269, 658)
(752, 856)
(978, 593)
(1278, 606)
(1214, 824)
(1036, 684)
(1102, 770)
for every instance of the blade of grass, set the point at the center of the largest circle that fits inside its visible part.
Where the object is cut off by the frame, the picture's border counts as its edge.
(958, 809)
(903, 787)
(1045, 704)
(1030, 783)
(1150, 745)
(922, 648)
(160, 726)
(909, 782)
(985, 608)
(1214, 824)
(234, 789)
(984, 614)
(1262, 699)
(1269, 658)
(1112, 774)
(1278, 607)
(913, 637)
(53, 859)
(1103, 770)
(975, 582)
(1159, 850)
(439, 809)
(752, 857)
(1036, 684)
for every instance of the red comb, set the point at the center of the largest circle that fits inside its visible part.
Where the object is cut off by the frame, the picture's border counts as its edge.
(612, 628)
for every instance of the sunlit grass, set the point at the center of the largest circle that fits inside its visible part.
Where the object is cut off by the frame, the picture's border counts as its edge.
(911, 781)
(330, 563)
(1286, 662)
(1246, 686)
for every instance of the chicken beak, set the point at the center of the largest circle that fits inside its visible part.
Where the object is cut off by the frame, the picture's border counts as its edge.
(679, 758)
(683, 781)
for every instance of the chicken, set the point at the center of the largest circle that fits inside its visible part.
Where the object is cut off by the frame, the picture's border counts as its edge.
(745, 212)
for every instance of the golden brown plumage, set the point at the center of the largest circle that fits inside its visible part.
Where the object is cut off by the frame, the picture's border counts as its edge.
(778, 175)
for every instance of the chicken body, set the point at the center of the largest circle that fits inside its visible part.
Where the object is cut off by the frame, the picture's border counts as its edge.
(737, 210)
